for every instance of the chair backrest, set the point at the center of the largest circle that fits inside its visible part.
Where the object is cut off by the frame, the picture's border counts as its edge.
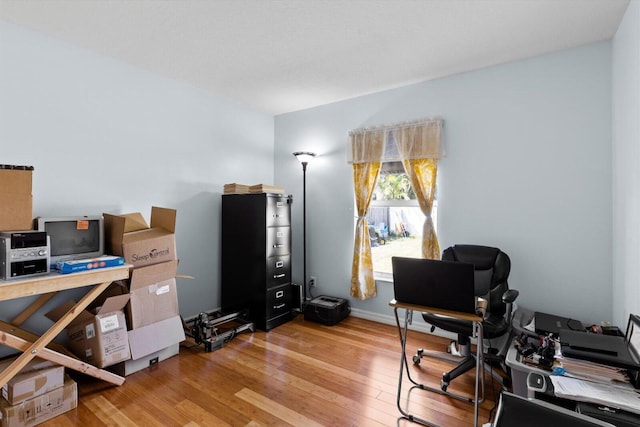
(491, 271)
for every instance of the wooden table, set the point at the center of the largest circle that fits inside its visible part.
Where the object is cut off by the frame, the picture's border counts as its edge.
(47, 286)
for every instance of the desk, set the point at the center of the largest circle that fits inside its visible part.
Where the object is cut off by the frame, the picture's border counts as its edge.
(403, 331)
(47, 286)
(520, 372)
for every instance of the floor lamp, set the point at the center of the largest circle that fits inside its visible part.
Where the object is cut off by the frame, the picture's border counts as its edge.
(304, 157)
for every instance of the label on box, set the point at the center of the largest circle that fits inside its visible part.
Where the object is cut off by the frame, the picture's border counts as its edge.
(90, 331)
(159, 290)
(109, 323)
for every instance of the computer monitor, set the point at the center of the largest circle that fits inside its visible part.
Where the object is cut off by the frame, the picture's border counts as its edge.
(73, 237)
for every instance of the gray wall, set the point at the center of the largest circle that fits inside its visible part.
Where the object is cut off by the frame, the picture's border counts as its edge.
(528, 170)
(626, 166)
(107, 137)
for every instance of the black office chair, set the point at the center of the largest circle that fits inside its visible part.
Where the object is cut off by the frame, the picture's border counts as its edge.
(516, 411)
(491, 268)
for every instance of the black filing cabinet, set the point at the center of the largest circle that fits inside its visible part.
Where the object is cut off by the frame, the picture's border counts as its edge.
(256, 257)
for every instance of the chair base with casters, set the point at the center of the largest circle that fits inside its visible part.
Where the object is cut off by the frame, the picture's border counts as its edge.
(459, 353)
(403, 328)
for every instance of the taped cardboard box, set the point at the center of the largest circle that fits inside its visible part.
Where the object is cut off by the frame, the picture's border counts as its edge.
(41, 408)
(131, 366)
(129, 236)
(16, 209)
(153, 294)
(98, 337)
(155, 337)
(37, 377)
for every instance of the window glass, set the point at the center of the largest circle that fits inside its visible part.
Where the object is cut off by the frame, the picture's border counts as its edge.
(395, 219)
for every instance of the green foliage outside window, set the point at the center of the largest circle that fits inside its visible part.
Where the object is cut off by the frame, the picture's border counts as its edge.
(395, 186)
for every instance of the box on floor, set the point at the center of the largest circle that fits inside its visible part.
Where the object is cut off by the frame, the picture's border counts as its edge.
(41, 408)
(155, 325)
(16, 209)
(37, 377)
(99, 336)
(129, 236)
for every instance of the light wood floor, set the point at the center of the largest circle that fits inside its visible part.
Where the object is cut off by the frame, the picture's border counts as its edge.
(300, 373)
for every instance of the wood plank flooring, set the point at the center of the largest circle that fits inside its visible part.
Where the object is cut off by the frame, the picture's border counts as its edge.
(301, 374)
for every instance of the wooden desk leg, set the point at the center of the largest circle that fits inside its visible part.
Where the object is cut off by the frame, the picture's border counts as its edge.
(61, 359)
(33, 307)
(50, 334)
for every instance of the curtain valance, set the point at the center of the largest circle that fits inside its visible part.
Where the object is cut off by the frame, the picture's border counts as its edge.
(420, 139)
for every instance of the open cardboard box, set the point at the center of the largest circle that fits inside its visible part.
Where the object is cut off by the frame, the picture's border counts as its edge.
(153, 294)
(129, 236)
(98, 337)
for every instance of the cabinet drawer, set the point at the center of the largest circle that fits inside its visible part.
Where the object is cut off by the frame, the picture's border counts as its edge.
(278, 241)
(278, 270)
(278, 300)
(278, 212)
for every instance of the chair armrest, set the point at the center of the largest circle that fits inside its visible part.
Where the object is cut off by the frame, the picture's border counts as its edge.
(510, 296)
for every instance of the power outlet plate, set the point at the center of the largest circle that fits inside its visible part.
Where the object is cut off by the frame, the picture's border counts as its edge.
(312, 282)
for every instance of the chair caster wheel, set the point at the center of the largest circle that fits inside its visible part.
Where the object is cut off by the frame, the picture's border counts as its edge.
(416, 359)
(444, 385)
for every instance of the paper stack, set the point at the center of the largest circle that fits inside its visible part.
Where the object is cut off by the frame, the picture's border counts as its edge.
(594, 372)
(265, 188)
(234, 188)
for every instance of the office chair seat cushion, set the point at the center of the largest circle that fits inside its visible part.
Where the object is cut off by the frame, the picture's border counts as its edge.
(493, 326)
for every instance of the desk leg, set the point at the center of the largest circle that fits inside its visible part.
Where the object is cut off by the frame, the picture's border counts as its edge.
(479, 370)
(33, 307)
(50, 334)
(403, 331)
(62, 359)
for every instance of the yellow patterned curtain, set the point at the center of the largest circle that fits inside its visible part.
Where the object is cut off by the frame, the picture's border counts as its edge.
(419, 148)
(366, 148)
(363, 285)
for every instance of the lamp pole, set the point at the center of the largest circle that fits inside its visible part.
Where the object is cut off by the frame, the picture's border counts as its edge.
(304, 157)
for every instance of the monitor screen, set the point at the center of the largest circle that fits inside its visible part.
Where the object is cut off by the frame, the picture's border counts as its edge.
(74, 237)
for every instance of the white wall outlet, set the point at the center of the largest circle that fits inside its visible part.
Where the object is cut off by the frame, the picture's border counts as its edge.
(312, 282)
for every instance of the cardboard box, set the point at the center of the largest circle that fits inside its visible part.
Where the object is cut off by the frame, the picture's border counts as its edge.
(16, 208)
(152, 338)
(41, 408)
(37, 377)
(153, 294)
(98, 337)
(129, 236)
(132, 366)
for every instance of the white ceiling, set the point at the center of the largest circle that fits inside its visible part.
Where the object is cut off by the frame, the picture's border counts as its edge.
(279, 56)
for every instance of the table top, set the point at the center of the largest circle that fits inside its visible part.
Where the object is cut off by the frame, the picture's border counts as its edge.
(434, 310)
(54, 281)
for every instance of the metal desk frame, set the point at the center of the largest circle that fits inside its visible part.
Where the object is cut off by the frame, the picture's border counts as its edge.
(47, 286)
(403, 329)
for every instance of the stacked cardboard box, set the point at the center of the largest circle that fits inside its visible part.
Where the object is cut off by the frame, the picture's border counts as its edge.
(39, 392)
(16, 210)
(154, 325)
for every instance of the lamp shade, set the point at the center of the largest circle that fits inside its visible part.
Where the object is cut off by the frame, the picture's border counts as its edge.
(304, 156)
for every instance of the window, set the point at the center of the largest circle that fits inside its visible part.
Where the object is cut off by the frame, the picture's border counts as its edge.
(395, 219)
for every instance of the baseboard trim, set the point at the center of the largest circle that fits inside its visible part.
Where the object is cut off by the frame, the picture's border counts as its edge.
(417, 325)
